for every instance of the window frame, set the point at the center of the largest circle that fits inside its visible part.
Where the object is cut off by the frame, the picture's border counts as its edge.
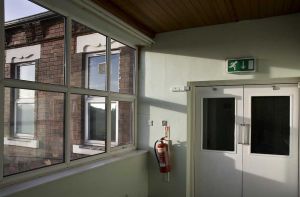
(91, 99)
(67, 90)
(87, 69)
(87, 140)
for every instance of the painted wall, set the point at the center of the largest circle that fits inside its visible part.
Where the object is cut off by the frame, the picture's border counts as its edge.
(199, 55)
(125, 178)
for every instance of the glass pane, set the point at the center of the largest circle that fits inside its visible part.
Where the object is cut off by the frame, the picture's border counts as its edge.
(218, 123)
(121, 123)
(34, 46)
(88, 58)
(115, 72)
(25, 94)
(88, 126)
(97, 72)
(270, 125)
(25, 118)
(122, 68)
(26, 71)
(97, 121)
(43, 118)
(114, 123)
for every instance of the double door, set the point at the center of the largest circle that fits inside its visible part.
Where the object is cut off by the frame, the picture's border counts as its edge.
(247, 141)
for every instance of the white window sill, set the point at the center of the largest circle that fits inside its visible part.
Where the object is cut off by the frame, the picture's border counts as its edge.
(6, 191)
(81, 149)
(29, 143)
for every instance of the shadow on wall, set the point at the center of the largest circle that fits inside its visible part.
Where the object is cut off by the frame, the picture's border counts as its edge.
(272, 41)
(164, 104)
(149, 134)
(234, 38)
(198, 54)
(176, 185)
(224, 177)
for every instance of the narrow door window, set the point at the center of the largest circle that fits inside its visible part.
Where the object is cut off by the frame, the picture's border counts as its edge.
(270, 125)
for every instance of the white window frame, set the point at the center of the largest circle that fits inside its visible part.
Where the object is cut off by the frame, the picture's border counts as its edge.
(87, 140)
(91, 99)
(87, 56)
(18, 100)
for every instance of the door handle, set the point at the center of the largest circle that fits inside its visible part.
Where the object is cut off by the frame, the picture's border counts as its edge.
(244, 137)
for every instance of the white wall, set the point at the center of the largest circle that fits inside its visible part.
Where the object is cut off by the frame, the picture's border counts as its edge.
(125, 178)
(199, 55)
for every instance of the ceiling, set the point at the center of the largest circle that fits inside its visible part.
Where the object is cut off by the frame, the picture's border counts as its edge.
(157, 16)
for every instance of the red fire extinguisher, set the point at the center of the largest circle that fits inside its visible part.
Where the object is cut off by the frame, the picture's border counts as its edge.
(162, 155)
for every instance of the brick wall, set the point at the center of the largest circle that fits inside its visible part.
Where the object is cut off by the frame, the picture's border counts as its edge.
(127, 65)
(49, 106)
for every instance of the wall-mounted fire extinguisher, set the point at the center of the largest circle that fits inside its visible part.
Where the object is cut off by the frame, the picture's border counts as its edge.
(162, 155)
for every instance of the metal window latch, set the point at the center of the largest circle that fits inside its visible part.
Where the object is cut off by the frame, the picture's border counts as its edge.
(276, 87)
(244, 137)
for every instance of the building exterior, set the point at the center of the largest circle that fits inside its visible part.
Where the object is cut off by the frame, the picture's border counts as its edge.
(34, 119)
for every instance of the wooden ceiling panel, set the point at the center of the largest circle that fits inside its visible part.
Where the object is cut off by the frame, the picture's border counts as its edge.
(157, 16)
(254, 9)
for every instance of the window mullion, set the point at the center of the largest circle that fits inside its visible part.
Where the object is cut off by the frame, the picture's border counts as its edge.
(108, 100)
(67, 60)
(108, 59)
(136, 92)
(2, 63)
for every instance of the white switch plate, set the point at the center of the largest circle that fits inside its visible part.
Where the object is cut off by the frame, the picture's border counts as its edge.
(180, 88)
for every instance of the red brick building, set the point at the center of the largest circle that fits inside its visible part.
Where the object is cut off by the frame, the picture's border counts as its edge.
(34, 120)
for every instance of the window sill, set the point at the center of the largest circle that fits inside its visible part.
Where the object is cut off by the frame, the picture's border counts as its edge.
(86, 150)
(9, 190)
(29, 143)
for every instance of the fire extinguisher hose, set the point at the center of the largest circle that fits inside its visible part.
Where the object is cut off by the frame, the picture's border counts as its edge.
(156, 152)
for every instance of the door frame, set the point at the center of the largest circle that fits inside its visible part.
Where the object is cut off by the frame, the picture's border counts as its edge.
(191, 117)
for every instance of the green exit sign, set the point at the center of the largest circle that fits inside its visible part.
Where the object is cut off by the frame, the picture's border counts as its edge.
(240, 65)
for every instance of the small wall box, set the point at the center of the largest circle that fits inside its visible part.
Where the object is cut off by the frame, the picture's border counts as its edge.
(240, 65)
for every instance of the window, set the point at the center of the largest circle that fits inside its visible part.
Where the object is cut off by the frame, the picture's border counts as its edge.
(24, 102)
(57, 111)
(88, 125)
(39, 130)
(96, 71)
(121, 123)
(218, 136)
(95, 130)
(24, 113)
(122, 68)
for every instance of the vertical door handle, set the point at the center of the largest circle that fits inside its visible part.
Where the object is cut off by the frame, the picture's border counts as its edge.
(244, 137)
